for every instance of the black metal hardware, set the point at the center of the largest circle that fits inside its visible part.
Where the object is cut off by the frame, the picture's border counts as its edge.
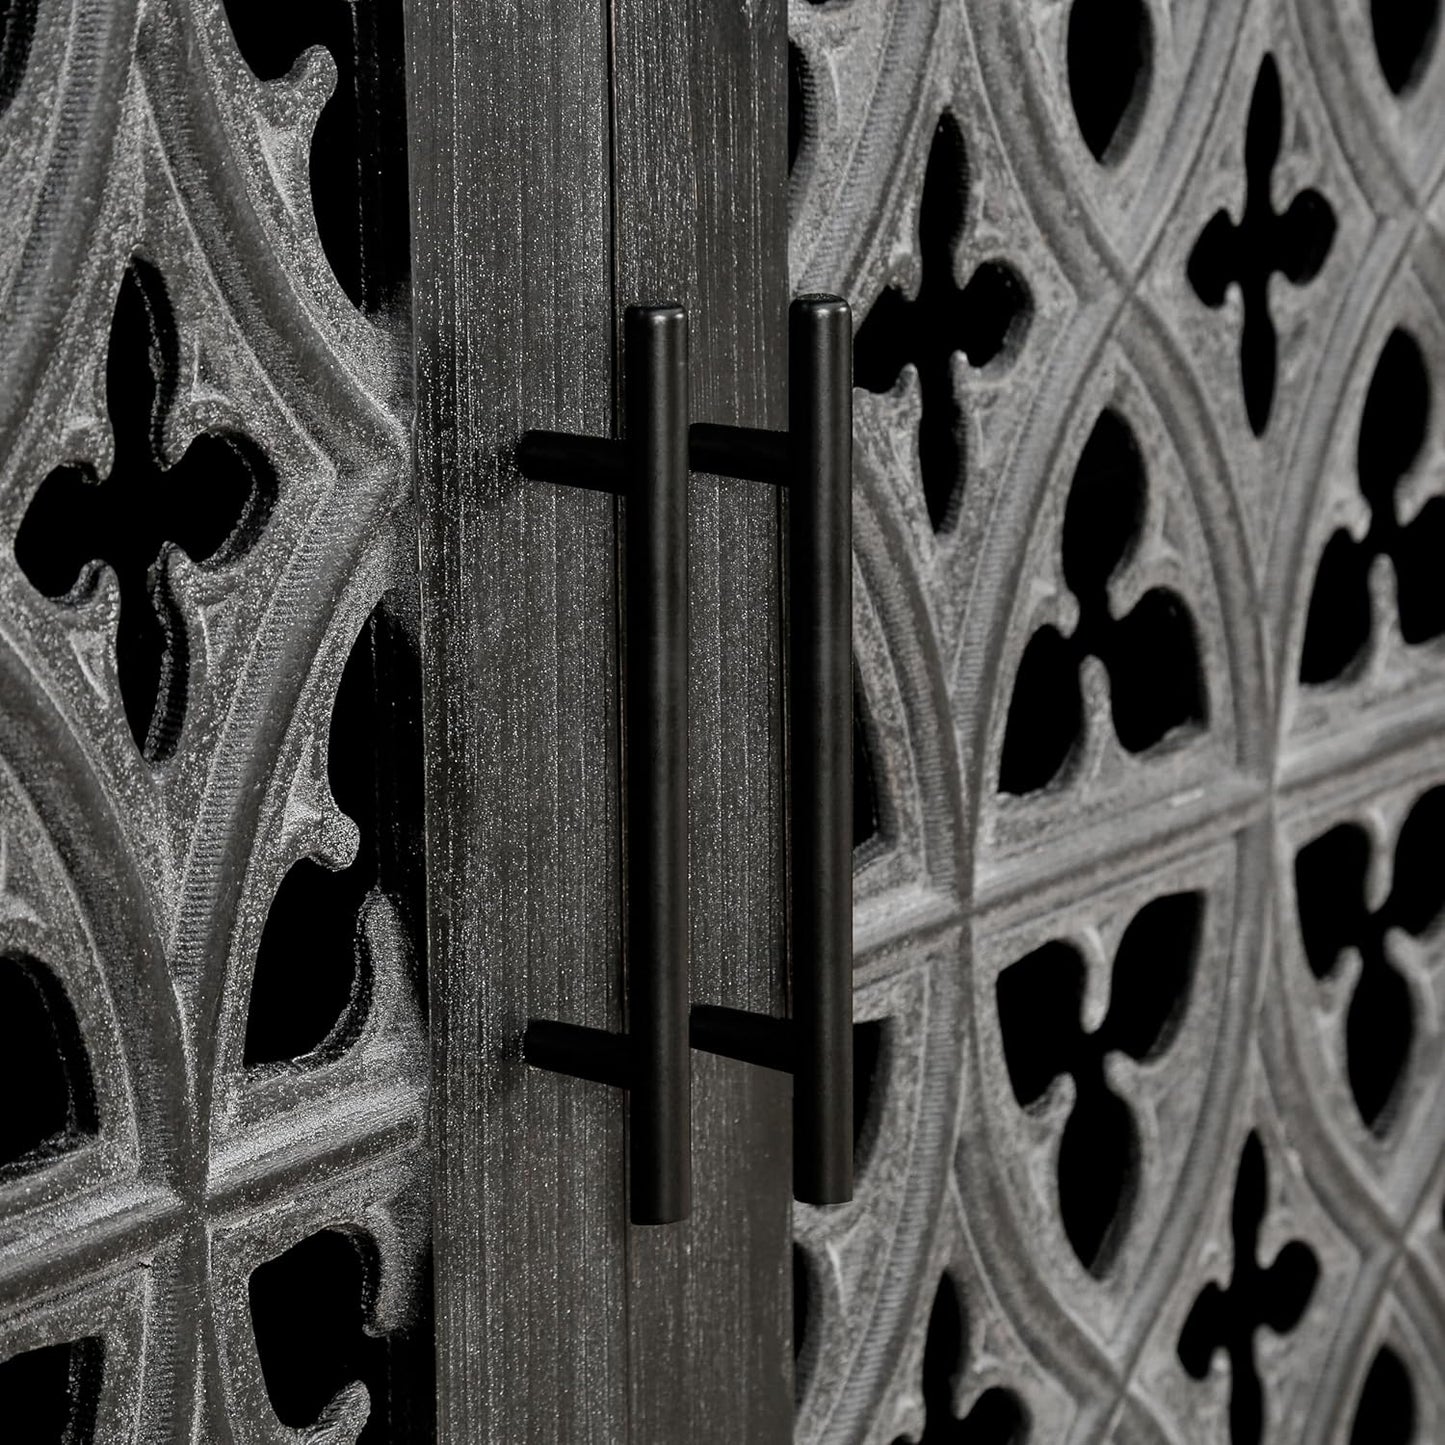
(650, 468)
(814, 461)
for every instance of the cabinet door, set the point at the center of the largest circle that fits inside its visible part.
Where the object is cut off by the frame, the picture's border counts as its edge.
(1147, 466)
(214, 1175)
(568, 163)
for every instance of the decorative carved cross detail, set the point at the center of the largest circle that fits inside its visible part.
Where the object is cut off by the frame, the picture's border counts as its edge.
(1393, 430)
(212, 505)
(1227, 1319)
(1264, 242)
(979, 319)
(1334, 915)
(1151, 654)
(1039, 1003)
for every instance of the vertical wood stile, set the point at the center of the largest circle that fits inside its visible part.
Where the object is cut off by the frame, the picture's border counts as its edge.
(513, 321)
(701, 217)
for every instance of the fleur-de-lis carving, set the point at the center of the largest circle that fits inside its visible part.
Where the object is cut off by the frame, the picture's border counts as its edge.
(1274, 1296)
(979, 319)
(1151, 654)
(1393, 431)
(1039, 1000)
(212, 505)
(1330, 874)
(1264, 242)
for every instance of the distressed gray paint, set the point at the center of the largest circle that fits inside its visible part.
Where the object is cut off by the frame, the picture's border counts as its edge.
(146, 890)
(964, 881)
(140, 129)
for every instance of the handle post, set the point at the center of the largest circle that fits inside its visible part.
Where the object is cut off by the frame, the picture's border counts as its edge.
(820, 738)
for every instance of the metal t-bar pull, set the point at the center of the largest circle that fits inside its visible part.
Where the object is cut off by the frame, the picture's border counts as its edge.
(814, 461)
(650, 469)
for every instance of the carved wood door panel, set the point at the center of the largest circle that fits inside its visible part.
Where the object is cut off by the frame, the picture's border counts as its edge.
(260, 400)
(312, 741)
(1148, 464)
(216, 1181)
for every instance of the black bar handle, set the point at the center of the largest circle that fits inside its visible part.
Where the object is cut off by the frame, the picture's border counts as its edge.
(820, 742)
(813, 459)
(650, 467)
(656, 719)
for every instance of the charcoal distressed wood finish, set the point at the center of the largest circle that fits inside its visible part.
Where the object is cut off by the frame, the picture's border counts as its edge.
(564, 170)
(700, 118)
(514, 326)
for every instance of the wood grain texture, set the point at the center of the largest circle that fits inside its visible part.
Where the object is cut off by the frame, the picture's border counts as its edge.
(700, 213)
(509, 136)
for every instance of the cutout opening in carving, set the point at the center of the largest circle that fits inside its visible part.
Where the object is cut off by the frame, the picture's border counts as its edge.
(1152, 654)
(45, 1075)
(1295, 244)
(1104, 513)
(1275, 1297)
(866, 816)
(312, 983)
(1045, 716)
(1406, 32)
(212, 505)
(1394, 427)
(17, 32)
(1040, 999)
(1385, 1414)
(870, 1086)
(802, 1310)
(309, 1311)
(358, 152)
(983, 319)
(996, 1417)
(1339, 621)
(797, 103)
(54, 1391)
(1110, 53)
(1330, 873)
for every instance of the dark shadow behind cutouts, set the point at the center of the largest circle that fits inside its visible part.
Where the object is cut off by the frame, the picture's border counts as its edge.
(1385, 1414)
(51, 1395)
(1394, 428)
(312, 983)
(995, 1418)
(1294, 244)
(1406, 33)
(1110, 54)
(310, 1312)
(983, 319)
(1039, 1002)
(17, 31)
(1330, 874)
(1152, 654)
(1275, 1298)
(358, 152)
(212, 504)
(45, 1076)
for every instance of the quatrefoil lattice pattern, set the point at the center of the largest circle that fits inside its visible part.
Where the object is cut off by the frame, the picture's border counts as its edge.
(213, 1174)
(1155, 721)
